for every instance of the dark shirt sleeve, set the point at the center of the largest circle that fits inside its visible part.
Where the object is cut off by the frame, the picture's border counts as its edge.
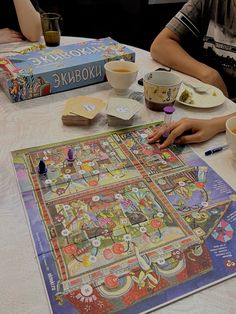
(191, 20)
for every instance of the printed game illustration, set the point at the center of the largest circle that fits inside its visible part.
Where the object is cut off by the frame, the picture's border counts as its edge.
(55, 69)
(120, 226)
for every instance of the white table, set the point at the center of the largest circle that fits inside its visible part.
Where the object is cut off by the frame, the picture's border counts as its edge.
(37, 122)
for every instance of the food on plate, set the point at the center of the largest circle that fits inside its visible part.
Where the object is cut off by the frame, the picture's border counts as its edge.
(214, 93)
(187, 97)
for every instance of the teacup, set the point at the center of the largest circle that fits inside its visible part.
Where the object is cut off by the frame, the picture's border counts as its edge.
(121, 75)
(231, 134)
(160, 89)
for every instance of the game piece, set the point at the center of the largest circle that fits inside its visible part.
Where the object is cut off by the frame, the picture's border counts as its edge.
(70, 155)
(81, 110)
(42, 169)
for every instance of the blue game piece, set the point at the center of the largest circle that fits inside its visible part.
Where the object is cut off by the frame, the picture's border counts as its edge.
(42, 169)
(70, 155)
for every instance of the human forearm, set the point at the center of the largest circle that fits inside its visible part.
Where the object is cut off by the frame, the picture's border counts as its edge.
(219, 123)
(186, 130)
(29, 19)
(167, 50)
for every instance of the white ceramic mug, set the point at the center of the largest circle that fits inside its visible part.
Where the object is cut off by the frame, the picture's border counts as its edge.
(121, 75)
(231, 134)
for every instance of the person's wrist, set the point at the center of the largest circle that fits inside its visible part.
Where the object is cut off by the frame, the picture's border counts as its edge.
(218, 124)
(207, 74)
(211, 76)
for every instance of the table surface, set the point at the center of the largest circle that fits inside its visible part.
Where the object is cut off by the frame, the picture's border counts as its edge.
(38, 122)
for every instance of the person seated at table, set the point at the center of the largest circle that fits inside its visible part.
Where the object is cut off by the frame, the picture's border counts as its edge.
(186, 130)
(20, 20)
(201, 42)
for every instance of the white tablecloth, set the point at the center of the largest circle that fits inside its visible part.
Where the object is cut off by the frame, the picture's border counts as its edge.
(38, 121)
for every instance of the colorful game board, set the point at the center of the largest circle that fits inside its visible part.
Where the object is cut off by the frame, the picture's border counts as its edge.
(122, 227)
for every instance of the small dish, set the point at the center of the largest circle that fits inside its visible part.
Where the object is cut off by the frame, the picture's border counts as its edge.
(212, 97)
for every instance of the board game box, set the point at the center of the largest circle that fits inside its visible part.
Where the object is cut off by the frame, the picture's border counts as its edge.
(120, 226)
(52, 70)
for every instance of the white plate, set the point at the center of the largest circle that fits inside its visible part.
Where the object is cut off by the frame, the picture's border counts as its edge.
(212, 98)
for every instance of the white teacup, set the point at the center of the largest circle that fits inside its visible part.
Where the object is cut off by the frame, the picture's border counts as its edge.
(121, 75)
(231, 134)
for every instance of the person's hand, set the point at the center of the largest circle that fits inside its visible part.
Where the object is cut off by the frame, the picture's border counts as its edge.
(186, 131)
(8, 36)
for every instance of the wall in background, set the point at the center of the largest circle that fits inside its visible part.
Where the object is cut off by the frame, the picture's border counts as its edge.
(133, 22)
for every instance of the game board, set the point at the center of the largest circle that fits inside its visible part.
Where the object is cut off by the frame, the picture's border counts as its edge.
(120, 226)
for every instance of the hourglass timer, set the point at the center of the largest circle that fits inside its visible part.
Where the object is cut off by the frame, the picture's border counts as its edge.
(168, 112)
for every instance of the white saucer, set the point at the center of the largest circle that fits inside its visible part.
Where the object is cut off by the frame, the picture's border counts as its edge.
(212, 98)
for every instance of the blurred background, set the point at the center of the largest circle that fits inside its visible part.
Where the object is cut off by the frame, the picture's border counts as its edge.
(132, 22)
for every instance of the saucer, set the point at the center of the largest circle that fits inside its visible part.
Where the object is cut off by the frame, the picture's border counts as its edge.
(213, 96)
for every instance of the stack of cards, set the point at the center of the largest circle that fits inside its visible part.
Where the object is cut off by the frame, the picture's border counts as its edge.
(121, 111)
(81, 110)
